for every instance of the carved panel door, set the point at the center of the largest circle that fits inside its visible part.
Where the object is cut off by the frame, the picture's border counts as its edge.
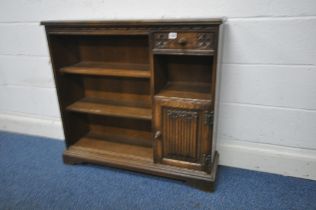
(183, 133)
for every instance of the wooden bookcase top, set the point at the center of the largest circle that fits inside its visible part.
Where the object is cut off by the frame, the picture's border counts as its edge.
(152, 22)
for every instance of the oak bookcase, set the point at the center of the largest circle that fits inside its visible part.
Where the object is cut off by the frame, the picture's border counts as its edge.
(138, 95)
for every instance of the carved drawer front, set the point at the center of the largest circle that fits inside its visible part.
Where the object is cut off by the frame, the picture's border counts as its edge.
(184, 40)
(180, 134)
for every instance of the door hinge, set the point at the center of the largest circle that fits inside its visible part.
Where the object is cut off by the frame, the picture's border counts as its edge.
(209, 118)
(206, 162)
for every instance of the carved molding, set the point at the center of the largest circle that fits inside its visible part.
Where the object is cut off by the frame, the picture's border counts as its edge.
(182, 114)
(205, 40)
(206, 162)
(196, 40)
(79, 29)
(209, 118)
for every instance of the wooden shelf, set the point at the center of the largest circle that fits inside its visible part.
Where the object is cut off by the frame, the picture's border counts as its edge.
(121, 135)
(111, 148)
(134, 158)
(108, 69)
(186, 90)
(129, 109)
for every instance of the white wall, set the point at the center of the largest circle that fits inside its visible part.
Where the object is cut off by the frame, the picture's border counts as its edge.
(267, 115)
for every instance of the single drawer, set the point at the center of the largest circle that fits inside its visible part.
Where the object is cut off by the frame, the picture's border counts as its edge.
(184, 40)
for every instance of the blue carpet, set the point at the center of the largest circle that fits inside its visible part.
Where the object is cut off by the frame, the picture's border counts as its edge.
(33, 176)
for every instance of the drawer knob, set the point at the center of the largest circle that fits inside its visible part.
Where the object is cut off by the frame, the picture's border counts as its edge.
(182, 41)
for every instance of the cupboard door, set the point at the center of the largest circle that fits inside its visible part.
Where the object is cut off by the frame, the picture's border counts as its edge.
(182, 133)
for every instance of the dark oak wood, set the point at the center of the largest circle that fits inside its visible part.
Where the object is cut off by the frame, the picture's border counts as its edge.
(138, 95)
(112, 148)
(121, 129)
(186, 90)
(141, 23)
(130, 161)
(182, 52)
(122, 135)
(184, 131)
(184, 40)
(108, 69)
(109, 108)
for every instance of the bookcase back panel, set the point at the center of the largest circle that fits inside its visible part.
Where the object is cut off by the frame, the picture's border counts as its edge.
(129, 131)
(183, 75)
(115, 84)
(194, 69)
(185, 68)
(123, 49)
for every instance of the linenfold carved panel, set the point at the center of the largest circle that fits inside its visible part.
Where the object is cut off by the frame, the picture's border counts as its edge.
(180, 129)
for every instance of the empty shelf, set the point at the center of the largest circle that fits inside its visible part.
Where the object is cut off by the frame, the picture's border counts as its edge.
(108, 69)
(121, 135)
(186, 90)
(110, 148)
(110, 108)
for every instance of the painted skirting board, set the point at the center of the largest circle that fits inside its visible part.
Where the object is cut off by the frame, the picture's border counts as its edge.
(32, 125)
(282, 160)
